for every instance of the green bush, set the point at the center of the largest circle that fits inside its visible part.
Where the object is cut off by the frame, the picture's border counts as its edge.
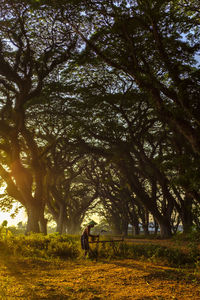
(64, 249)
(193, 236)
(38, 245)
(154, 253)
(68, 246)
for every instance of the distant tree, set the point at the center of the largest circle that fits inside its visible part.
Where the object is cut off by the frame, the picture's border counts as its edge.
(4, 223)
(67, 192)
(70, 194)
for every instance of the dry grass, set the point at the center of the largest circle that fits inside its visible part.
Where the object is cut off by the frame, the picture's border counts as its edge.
(170, 243)
(83, 279)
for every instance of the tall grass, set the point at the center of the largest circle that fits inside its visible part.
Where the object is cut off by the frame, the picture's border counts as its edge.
(43, 246)
(68, 247)
(150, 252)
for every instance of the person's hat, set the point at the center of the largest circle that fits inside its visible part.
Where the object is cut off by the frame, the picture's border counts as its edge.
(92, 223)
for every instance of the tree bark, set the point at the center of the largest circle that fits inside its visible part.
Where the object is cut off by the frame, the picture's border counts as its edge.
(43, 225)
(186, 214)
(33, 219)
(74, 227)
(136, 228)
(62, 219)
(124, 227)
(117, 225)
(155, 227)
(165, 228)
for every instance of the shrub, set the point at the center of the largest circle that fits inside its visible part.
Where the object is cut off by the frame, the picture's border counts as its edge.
(193, 236)
(68, 246)
(154, 253)
(64, 249)
(38, 245)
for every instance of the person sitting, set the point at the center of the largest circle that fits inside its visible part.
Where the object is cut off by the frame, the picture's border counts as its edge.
(85, 236)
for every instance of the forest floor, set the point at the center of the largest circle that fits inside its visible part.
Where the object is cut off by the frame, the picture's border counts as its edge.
(23, 278)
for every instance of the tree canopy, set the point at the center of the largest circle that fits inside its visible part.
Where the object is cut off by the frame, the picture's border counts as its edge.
(100, 102)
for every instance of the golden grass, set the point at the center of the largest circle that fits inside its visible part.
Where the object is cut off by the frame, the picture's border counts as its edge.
(170, 243)
(83, 279)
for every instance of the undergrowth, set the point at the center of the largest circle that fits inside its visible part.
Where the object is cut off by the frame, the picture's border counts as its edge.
(68, 247)
(150, 252)
(43, 246)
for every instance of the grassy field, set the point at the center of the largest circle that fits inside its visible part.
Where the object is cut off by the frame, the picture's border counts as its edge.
(22, 278)
(53, 267)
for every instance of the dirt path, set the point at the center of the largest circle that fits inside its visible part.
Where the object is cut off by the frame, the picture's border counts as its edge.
(121, 279)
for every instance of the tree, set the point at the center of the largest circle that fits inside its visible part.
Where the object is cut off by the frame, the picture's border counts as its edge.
(33, 44)
(120, 206)
(128, 80)
(67, 192)
(155, 42)
(136, 141)
(135, 38)
(70, 194)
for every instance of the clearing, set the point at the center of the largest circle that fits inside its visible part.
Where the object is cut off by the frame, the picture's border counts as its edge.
(22, 278)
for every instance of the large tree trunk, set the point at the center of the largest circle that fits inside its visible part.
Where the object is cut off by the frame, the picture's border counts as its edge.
(124, 229)
(43, 224)
(155, 227)
(134, 219)
(136, 227)
(145, 222)
(164, 223)
(186, 214)
(36, 222)
(117, 228)
(165, 229)
(33, 219)
(148, 202)
(62, 219)
(74, 228)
